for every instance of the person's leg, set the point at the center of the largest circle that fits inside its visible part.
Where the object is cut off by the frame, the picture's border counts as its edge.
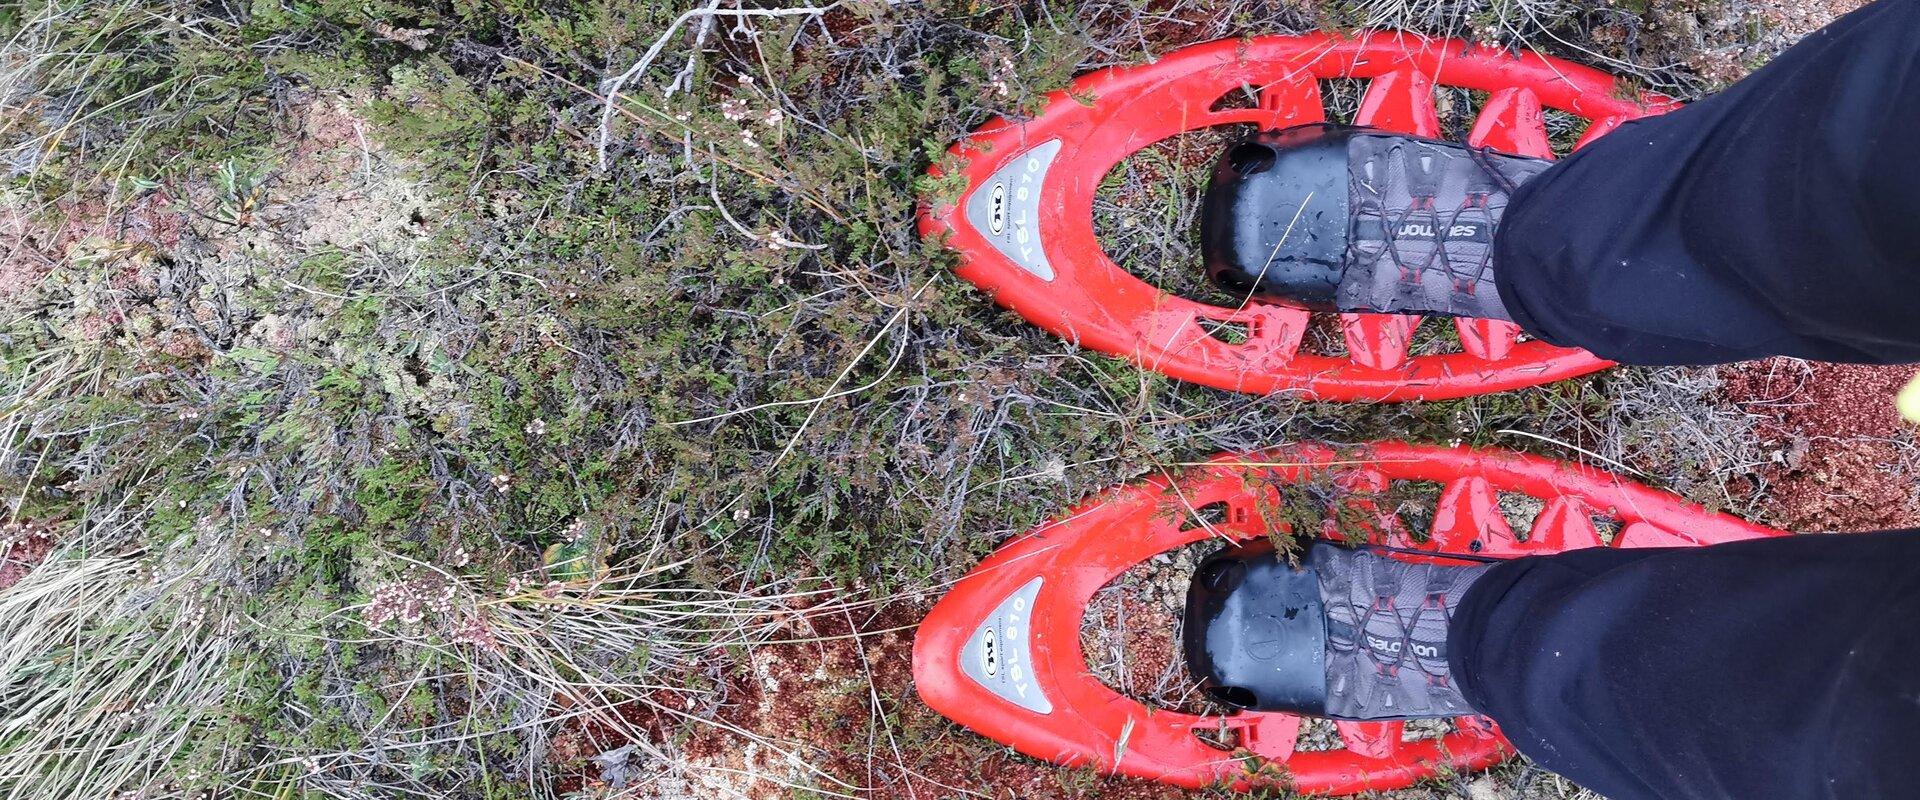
(1775, 218)
(1776, 668)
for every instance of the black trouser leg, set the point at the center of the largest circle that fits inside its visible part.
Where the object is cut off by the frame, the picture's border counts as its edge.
(1775, 668)
(1779, 217)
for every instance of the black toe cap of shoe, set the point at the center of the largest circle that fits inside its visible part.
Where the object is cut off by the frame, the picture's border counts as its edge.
(1275, 218)
(1255, 632)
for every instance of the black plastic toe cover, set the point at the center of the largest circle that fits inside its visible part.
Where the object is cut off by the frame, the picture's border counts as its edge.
(1274, 222)
(1255, 636)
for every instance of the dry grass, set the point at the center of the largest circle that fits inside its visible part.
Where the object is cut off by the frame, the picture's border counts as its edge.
(112, 677)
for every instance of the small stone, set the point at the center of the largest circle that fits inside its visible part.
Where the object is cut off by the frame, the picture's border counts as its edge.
(1483, 788)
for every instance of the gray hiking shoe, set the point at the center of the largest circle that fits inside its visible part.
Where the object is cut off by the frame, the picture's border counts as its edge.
(1350, 634)
(1337, 218)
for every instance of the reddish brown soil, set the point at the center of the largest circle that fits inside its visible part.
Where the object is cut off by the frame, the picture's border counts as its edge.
(22, 547)
(1139, 616)
(34, 243)
(1843, 456)
(1146, 635)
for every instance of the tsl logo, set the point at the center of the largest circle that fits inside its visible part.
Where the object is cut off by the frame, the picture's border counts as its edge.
(990, 653)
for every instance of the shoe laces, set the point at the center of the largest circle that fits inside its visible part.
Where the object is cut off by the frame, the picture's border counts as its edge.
(1464, 277)
(1400, 648)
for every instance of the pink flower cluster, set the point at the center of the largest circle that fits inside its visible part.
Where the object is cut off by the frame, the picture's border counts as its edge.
(410, 601)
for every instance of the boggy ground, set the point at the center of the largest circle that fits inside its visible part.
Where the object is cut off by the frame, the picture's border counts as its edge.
(1839, 458)
(390, 419)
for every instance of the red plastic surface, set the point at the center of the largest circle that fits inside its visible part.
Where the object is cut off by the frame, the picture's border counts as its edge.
(1108, 115)
(1092, 725)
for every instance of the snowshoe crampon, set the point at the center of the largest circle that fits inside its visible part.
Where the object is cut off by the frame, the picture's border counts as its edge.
(1001, 653)
(1023, 224)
